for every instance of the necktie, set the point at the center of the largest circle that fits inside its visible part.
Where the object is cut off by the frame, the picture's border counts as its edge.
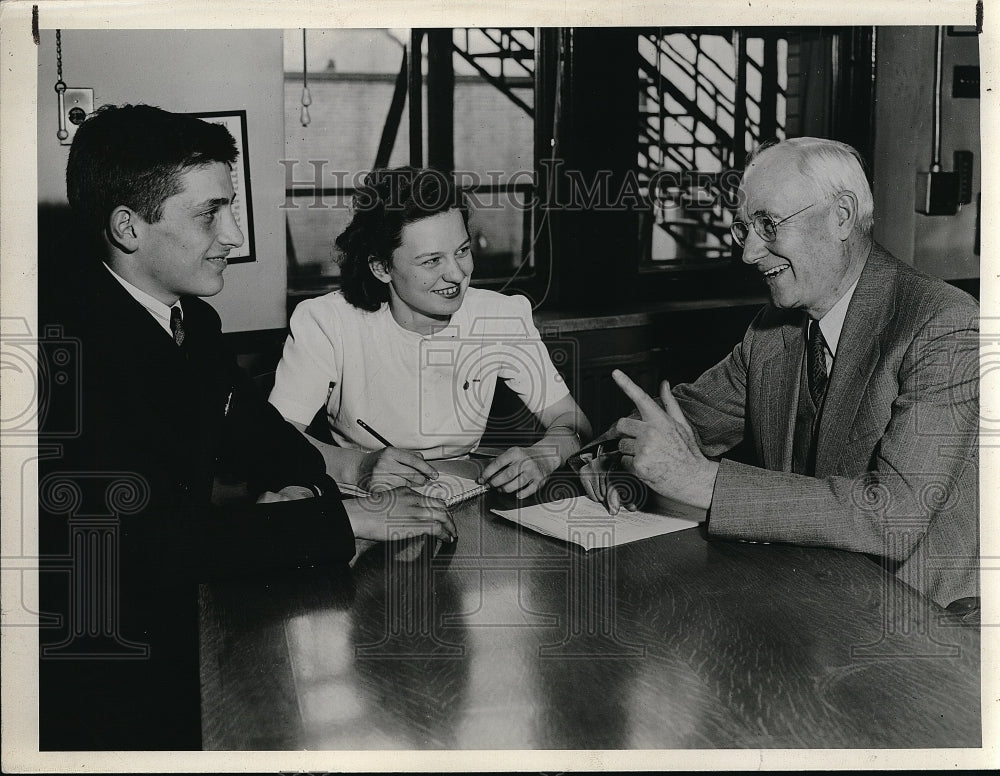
(818, 376)
(177, 325)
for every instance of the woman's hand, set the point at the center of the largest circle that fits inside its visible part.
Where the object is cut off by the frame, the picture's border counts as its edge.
(399, 513)
(391, 467)
(521, 470)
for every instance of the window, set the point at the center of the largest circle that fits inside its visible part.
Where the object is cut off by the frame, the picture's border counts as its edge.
(705, 99)
(659, 120)
(476, 119)
(351, 77)
(494, 144)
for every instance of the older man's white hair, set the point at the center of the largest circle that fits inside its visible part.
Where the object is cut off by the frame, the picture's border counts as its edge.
(832, 167)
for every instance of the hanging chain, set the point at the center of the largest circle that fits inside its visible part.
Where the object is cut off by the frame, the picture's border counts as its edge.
(60, 87)
(59, 54)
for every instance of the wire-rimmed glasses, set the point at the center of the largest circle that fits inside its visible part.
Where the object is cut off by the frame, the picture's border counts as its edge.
(763, 224)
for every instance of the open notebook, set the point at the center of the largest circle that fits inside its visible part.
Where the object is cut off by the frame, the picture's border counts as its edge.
(588, 524)
(450, 488)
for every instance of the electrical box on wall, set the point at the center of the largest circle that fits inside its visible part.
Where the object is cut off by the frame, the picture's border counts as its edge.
(76, 105)
(963, 166)
(937, 193)
(965, 82)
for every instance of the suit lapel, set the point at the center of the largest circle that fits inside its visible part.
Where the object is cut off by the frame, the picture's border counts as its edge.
(143, 347)
(858, 352)
(779, 383)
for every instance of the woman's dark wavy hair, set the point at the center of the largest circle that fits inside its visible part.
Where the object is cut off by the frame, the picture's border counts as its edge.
(388, 200)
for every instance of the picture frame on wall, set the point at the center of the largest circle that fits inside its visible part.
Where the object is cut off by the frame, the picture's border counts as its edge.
(236, 122)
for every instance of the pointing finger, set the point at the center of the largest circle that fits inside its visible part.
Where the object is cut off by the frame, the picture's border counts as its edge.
(648, 408)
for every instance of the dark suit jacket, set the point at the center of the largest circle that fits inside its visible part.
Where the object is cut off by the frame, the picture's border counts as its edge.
(897, 448)
(127, 530)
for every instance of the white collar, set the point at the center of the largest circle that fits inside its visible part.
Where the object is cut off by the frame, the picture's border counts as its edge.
(156, 308)
(832, 323)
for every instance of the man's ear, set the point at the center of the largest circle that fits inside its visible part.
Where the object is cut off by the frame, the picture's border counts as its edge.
(379, 269)
(845, 210)
(124, 228)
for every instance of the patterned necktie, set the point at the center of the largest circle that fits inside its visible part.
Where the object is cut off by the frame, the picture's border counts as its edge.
(818, 376)
(177, 325)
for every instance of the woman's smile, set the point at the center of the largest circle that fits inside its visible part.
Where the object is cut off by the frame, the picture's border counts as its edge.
(448, 293)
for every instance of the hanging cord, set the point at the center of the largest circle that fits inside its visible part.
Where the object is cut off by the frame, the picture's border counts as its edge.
(60, 87)
(306, 97)
(936, 142)
(551, 183)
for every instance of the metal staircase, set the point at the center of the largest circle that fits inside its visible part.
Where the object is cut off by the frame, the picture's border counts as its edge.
(704, 98)
(500, 55)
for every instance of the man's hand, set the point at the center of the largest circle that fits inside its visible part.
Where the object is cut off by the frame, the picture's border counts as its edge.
(391, 467)
(288, 493)
(399, 513)
(660, 448)
(602, 481)
(521, 470)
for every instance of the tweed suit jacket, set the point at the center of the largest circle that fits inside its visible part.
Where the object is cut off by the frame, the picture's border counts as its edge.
(897, 443)
(153, 426)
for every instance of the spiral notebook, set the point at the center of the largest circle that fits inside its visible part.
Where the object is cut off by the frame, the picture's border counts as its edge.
(450, 488)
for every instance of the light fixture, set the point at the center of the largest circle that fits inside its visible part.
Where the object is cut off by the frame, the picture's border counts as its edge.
(306, 97)
(75, 104)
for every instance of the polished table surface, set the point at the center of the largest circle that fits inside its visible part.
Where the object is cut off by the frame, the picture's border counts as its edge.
(512, 640)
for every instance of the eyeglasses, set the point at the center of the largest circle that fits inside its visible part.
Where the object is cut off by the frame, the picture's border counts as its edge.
(763, 224)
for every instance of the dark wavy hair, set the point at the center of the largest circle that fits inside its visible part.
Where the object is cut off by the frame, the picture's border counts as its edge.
(134, 155)
(388, 200)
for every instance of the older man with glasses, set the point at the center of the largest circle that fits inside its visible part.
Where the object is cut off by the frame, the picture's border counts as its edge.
(856, 391)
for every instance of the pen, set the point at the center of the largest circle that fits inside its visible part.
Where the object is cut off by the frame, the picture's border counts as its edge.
(374, 433)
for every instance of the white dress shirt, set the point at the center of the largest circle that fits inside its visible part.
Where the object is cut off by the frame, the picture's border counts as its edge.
(156, 308)
(832, 324)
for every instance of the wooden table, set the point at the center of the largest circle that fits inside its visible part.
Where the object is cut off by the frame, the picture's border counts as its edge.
(511, 640)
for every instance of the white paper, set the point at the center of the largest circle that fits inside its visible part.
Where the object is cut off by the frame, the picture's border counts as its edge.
(588, 524)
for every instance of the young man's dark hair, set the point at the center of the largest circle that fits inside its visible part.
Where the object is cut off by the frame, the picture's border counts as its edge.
(134, 155)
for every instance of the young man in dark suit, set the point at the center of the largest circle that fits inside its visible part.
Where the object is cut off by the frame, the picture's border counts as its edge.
(128, 527)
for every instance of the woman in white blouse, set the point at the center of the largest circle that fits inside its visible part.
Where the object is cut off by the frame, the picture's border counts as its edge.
(408, 349)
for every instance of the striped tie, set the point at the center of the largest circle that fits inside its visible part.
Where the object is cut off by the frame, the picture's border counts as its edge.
(818, 376)
(177, 325)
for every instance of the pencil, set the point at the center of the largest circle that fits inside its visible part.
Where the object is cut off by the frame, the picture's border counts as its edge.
(374, 433)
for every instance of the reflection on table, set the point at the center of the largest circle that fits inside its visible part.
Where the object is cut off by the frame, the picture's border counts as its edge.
(511, 640)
